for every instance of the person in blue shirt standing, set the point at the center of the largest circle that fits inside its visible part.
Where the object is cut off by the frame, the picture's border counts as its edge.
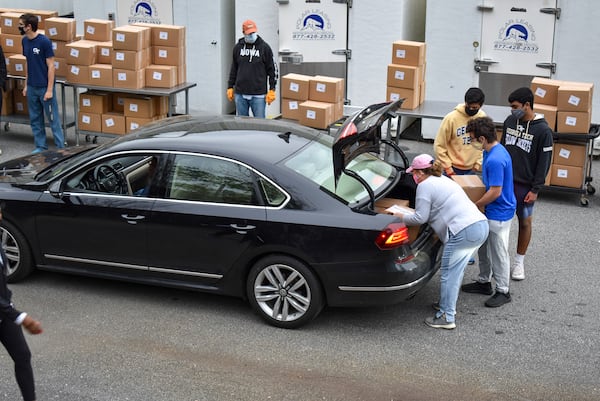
(500, 205)
(40, 88)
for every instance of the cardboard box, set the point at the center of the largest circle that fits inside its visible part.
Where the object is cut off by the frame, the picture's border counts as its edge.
(95, 102)
(574, 122)
(421, 92)
(16, 64)
(471, 184)
(545, 91)
(118, 102)
(567, 154)
(113, 123)
(139, 106)
(81, 52)
(43, 15)
(9, 23)
(407, 52)
(575, 96)
(11, 43)
(7, 103)
(316, 114)
(566, 176)
(104, 52)
(410, 96)
(326, 89)
(89, 121)
(168, 35)
(161, 105)
(20, 103)
(166, 55)
(130, 59)
(60, 48)
(549, 113)
(134, 123)
(161, 76)
(295, 86)
(290, 108)
(400, 205)
(78, 74)
(403, 76)
(101, 75)
(129, 79)
(60, 28)
(98, 29)
(60, 67)
(131, 37)
(181, 74)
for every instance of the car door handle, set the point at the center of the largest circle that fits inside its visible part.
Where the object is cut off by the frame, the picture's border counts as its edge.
(242, 229)
(133, 219)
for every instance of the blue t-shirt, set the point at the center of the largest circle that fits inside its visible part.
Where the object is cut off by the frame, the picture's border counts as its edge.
(497, 172)
(36, 51)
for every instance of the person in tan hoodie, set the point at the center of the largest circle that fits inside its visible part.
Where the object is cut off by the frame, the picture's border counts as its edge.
(452, 145)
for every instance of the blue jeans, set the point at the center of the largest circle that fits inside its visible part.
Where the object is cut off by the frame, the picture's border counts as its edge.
(494, 259)
(455, 256)
(245, 103)
(38, 107)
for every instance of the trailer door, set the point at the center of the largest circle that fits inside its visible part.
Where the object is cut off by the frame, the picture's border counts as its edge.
(313, 37)
(517, 42)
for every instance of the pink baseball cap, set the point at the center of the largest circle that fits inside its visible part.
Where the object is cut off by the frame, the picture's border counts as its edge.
(421, 162)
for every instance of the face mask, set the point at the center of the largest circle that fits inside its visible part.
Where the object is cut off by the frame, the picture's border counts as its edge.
(518, 113)
(471, 112)
(251, 38)
(22, 30)
(415, 178)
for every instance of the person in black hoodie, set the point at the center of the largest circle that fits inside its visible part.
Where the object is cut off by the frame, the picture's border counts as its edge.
(528, 139)
(251, 66)
(11, 335)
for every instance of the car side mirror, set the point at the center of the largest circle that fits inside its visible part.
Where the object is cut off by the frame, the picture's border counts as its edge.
(55, 189)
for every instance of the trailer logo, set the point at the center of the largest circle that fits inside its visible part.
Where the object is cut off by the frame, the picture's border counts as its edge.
(143, 11)
(517, 36)
(313, 25)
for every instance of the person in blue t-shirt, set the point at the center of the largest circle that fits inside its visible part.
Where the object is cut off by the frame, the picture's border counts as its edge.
(40, 88)
(500, 205)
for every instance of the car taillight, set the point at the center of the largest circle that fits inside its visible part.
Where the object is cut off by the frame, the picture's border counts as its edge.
(392, 236)
(348, 130)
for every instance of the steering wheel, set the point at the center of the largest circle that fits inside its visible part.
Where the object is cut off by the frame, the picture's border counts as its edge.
(108, 179)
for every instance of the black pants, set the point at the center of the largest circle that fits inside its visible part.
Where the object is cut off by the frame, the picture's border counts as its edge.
(11, 336)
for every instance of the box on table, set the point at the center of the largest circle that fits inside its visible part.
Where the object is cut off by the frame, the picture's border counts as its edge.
(471, 184)
(113, 123)
(574, 122)
(316, 114)
(60, 48)
(60, 28)
(326, 89)
(16, 64)
(9, 23)
(129, 79)
(130, 59)
(104, 52)
(165, 35)
(95, 102)
(98, 29)
(131, 37)
(20, 103)
(134, 123)
(410, 96)
(407, 52)
(161, 76)
(167, 55)
(389, 205)
(566, 176)
(60, 67)
(139, 106)
(567, 154)
(545, 91)
(81, 52)
(101, 75)
(78, 74)
(89, 121)
(43, 15)
(181, 74)
(295, 86)
(11, 43)
(575, 96)
(403, 76)
(290, 108)
(549, 113)
(421, 92)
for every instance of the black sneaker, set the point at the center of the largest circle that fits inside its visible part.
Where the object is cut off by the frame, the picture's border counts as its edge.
(478, 288)
(439, 323)
(498, 299)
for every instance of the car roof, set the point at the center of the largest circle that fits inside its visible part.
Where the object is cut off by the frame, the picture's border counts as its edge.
(231, 136)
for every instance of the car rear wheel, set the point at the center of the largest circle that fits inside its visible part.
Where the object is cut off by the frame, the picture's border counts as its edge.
(284, 292)
(19, 262)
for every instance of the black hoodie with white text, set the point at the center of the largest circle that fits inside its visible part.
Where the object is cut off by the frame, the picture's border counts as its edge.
(251, 65)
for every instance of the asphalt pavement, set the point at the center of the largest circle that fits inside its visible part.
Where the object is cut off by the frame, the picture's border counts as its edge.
(110, 341)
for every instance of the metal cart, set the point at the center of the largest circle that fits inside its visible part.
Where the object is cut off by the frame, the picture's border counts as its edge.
(586, 187)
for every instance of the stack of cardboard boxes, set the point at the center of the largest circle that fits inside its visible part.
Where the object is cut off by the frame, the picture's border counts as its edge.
(406, 74)
(13, 100)
(315, 101)
(566, 106)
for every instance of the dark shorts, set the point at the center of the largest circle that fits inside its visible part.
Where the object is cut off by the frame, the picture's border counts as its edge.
(524, 210)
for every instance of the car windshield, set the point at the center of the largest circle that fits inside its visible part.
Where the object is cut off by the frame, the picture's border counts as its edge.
(64, 164)
(314, 161)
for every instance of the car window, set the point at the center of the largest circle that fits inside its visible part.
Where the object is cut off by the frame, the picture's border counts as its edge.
(273, 195)
(211, 179)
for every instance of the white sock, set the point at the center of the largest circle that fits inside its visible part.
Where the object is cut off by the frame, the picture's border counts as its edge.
(519, 258)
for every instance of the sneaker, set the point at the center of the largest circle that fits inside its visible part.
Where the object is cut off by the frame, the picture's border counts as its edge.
(471, 261)
(440, 323)
(478, 288)
(37, 150)
(517, 271)
(498, 299)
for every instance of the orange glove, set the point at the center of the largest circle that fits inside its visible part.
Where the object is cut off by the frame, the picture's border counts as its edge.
(270, 96)
(230, 94)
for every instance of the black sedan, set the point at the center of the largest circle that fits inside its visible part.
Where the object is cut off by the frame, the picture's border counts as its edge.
(271, 211)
